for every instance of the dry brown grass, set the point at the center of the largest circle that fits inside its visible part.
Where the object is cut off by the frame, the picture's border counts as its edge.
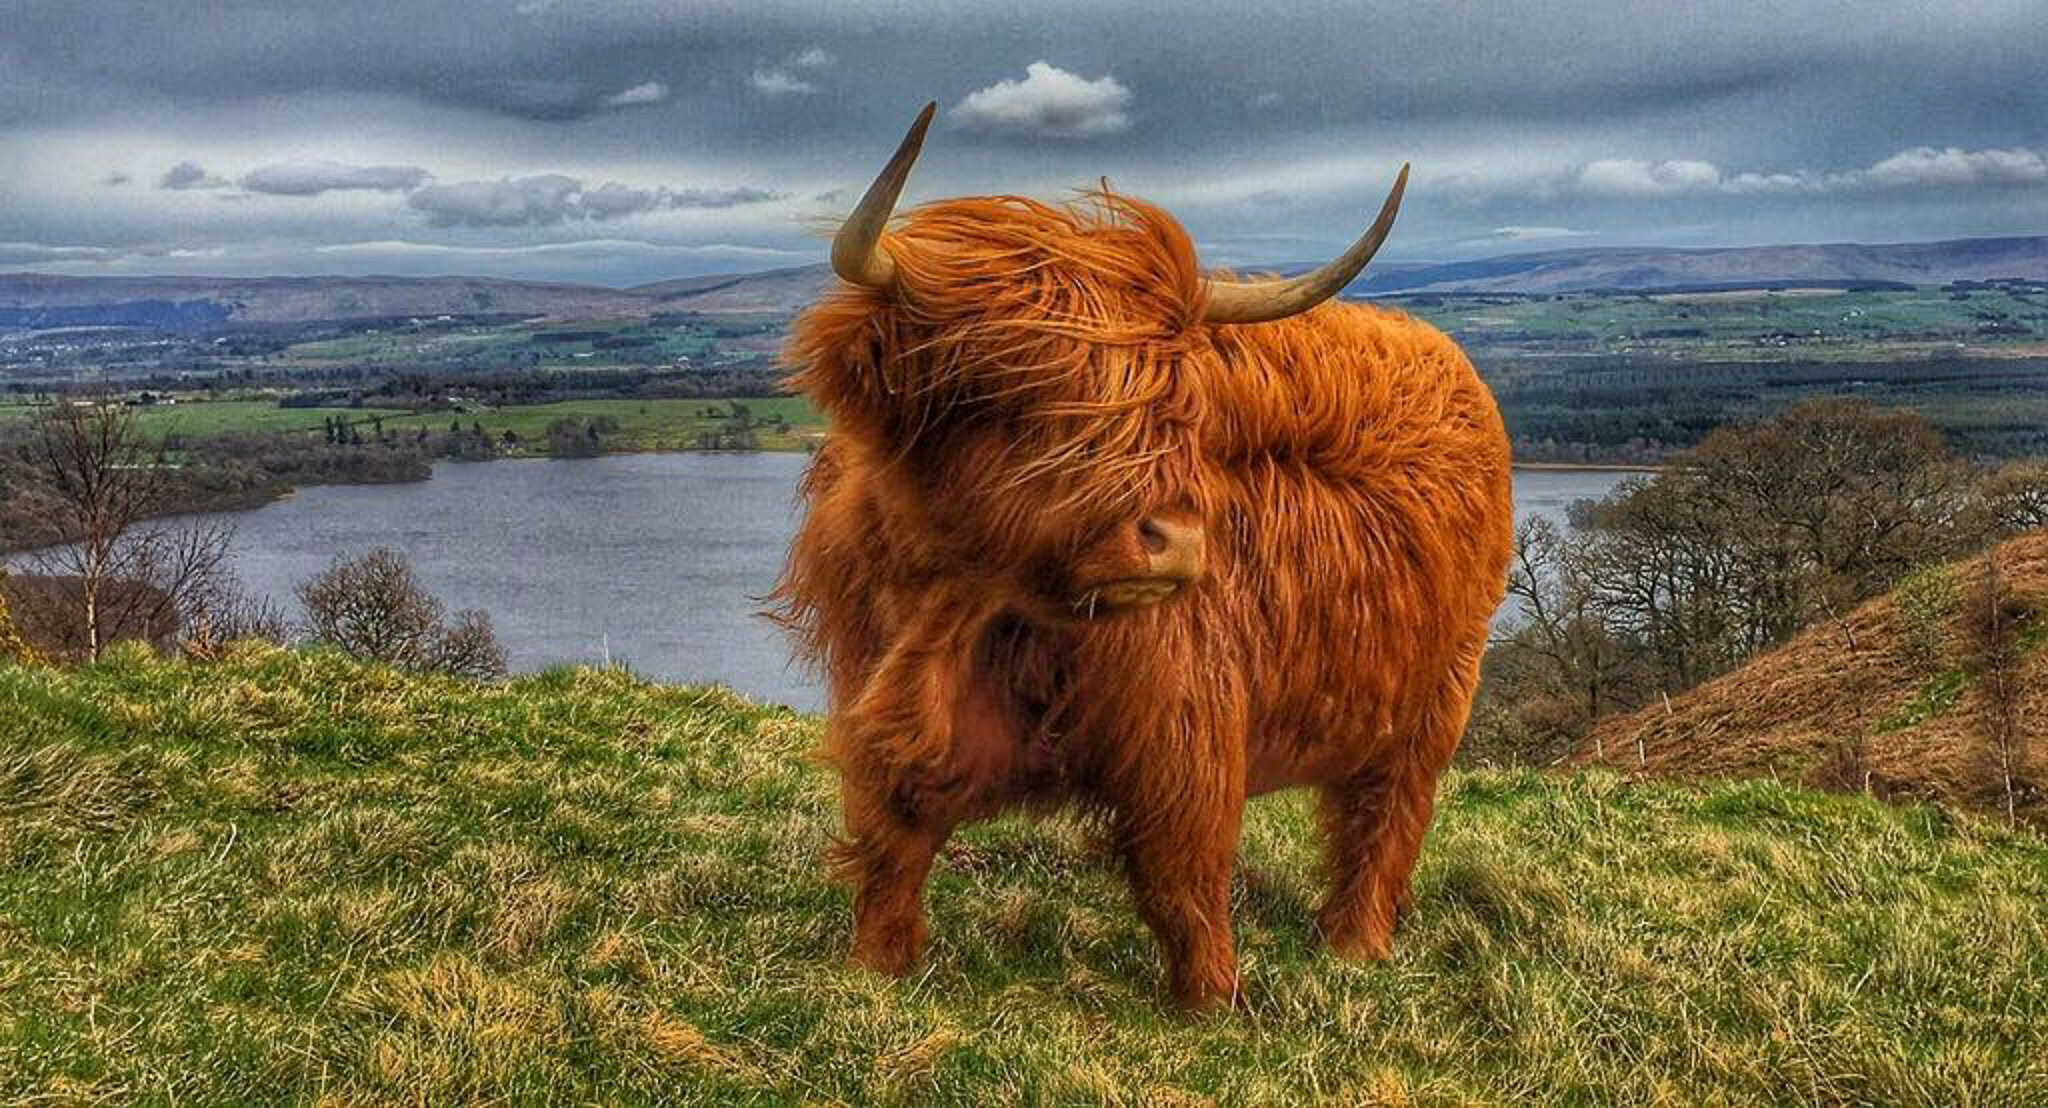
(1887, 701)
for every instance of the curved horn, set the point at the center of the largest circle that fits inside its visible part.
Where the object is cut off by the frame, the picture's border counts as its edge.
(1263, 301)
(856, 255)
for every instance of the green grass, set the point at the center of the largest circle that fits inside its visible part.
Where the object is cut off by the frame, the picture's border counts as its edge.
(1807, 324)
(200, 419)
(289, 876)
(539, 344)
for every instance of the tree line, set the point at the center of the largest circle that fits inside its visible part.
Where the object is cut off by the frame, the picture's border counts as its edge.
(1760, 532)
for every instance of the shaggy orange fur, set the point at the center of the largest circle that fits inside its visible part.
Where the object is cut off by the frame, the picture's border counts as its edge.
(1038, 379)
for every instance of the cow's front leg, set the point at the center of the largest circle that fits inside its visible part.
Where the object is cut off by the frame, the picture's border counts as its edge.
(886, 859)
(1178, 834)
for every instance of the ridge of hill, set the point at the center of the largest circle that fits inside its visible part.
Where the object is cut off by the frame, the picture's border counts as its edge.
(1896, 698)
(1635, 269)
(286, 876)
(46, 300)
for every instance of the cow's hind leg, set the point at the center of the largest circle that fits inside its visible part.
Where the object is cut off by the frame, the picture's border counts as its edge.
(1374, 821)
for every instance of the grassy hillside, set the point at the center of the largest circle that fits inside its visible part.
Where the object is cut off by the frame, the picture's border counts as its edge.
(1900, 697)
(291, 876)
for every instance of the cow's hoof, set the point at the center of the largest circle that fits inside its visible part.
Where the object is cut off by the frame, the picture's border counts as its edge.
(1356, 941)
(890, 951)
(1197, 999)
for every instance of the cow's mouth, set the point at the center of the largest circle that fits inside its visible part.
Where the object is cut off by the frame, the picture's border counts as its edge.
(1133, 592)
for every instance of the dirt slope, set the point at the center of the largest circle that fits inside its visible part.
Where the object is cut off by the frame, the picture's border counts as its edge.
(1897, 698)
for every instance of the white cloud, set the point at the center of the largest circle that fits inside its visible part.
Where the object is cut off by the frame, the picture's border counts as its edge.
(36, 253)
(190, 175)
(1630, 177)
(1919, 168)
(1527, 234)
(780, 82)
(310, 178)
(1050, 102)
(789, 76)
(646, 92)
(1924, 166)
(397, 248)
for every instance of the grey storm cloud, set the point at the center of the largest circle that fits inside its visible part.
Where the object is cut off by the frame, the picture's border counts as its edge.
(1654, 121)
(540, 201)
(190, 175)
(315, 177)
(548, 200)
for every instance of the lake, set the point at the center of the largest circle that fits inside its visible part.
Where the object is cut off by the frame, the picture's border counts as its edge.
(658, 561)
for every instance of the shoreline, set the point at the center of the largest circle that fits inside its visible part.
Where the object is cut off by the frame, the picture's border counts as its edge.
(248, 503)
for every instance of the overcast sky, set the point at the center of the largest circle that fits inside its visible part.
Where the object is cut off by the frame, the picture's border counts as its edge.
(623, 141)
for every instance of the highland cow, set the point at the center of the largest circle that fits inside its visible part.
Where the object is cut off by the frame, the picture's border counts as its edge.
(1091, 527)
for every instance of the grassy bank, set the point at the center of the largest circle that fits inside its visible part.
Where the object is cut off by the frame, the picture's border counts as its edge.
(290, 876)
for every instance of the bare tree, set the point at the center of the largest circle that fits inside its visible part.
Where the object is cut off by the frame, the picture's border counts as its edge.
(468, 647)
(119, 577)
(2017, 497)
(374, 607)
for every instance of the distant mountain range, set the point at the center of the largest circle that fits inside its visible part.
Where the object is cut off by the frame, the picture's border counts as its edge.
(42, 300)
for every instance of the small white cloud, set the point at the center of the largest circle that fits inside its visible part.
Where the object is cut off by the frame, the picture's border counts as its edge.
(646, 92)
(314, 177)
(1924, 166)
(36, 253)
(1266, 99)
(1630, 177)
(1526, 234)
(792, 76)
(780, 82)
(190, 175)
(1774, 182)
(1049, 102)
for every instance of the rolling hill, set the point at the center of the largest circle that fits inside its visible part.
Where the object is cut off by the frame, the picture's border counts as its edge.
(1897, 698)
(43, 300)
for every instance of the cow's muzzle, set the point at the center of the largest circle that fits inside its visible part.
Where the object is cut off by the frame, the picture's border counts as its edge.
(1169, 555)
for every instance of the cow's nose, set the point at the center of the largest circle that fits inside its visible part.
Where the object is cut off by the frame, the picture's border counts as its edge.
(1173, 548)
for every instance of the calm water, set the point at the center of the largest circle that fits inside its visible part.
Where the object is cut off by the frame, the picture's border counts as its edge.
(654, 560)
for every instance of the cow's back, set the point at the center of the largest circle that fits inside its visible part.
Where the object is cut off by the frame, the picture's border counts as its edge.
(1369, 516)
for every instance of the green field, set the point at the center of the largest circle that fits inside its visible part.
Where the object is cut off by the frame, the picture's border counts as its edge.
(643, 424)
(660, 424)
(215, 417)
(583, 344)
(290, 878)
(1807, 324)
